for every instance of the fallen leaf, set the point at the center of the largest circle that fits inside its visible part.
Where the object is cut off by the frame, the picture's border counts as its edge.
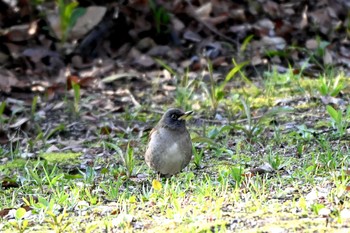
(156, 185)
(19, 122)
(7, 80)
(92, 16)
(9, 183)
(265, 168)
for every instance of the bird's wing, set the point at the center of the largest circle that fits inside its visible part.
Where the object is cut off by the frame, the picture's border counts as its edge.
(150, 133)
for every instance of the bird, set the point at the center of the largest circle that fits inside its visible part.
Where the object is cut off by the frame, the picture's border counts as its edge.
(169, 148)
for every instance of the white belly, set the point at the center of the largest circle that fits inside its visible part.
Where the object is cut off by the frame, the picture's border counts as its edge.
(172, 159)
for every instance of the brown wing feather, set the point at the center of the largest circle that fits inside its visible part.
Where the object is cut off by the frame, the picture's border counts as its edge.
(150, 133)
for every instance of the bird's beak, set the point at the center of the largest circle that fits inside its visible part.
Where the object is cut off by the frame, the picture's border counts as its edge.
(185, 115)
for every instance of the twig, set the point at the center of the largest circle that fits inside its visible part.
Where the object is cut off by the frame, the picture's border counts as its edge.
(133, 99)
(210, 27)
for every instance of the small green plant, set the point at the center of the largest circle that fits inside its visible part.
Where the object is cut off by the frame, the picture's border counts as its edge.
(237, 175)
(304, 133)
(246, 42)
(34, 106)
(44, 136)
(317, 55)
(321, 48)
(2, 109)
(215, 91)
(89, 174)
(76, 89)
(42, 206)
(73, 106)
(339, 122)
(127, 158)
(160, 14)
(112, 189)
(69, 12)
(259, 189)
(197, 157)
(129, 161)
(184, 87)
(255, 127)
(185, 91)
(274, 161)
(90, 196)
(37, 2)
(206, 187)
(52, 176)
(34, 175)
(252, 130)
(223, 177)
(317, 207)
(57, 222)
(44, 177)
(329, 157)
(331, 87)
(218, 131)
(19, 223)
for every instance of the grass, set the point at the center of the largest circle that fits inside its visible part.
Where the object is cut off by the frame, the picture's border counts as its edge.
(108, 187)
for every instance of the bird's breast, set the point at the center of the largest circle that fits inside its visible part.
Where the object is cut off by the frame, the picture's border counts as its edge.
(170, 155)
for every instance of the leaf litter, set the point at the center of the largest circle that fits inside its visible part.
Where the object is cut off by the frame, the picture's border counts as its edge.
(123, 88)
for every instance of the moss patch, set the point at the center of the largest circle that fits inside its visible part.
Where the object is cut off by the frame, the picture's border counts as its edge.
(69, 157)
(16, 163)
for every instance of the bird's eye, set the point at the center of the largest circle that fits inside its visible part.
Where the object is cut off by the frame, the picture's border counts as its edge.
(173, 116)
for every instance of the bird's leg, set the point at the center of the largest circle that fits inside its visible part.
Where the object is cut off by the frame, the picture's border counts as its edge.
(161, 176)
